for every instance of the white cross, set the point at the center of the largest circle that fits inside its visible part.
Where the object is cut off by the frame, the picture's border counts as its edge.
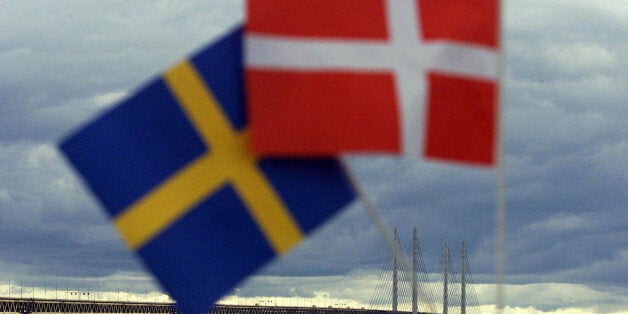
(404, 54)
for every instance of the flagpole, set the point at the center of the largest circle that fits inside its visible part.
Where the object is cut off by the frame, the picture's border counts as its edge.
(369, 207)
(500, 182)
(376, 219)
(500, 239)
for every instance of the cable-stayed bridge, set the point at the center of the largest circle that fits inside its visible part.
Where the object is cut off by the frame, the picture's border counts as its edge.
(28, 306)
(409, 287)
(402, 288)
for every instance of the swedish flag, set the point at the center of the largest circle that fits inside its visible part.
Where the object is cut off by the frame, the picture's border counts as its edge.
(173, 168)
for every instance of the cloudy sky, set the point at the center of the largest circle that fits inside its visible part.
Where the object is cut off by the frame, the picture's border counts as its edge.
(565, 142)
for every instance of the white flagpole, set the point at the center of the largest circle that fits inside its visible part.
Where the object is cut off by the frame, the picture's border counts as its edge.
(500, 239)
(500, 193)
(369, 207)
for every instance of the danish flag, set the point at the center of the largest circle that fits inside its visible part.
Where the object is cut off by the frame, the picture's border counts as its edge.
(385, 76)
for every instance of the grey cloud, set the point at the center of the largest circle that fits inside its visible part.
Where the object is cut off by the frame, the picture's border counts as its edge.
(569, 247)
(564, 136)
(50, 230)
(59, 57)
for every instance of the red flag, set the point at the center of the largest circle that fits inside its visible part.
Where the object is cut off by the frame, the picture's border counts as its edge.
(389, 76)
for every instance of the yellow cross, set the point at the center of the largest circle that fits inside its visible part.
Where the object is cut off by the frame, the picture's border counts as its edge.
(228, 162)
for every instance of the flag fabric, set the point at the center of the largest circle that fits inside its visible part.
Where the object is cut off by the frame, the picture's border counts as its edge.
(173, 168)
(389, 76)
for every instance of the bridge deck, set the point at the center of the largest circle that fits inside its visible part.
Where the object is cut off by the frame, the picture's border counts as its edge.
(76, 306)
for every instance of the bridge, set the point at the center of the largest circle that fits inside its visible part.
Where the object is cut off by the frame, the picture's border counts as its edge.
(32, 306)
(398, 290)
(19, 305)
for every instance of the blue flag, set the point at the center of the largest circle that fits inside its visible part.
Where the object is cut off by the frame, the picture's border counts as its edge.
(173, 168)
